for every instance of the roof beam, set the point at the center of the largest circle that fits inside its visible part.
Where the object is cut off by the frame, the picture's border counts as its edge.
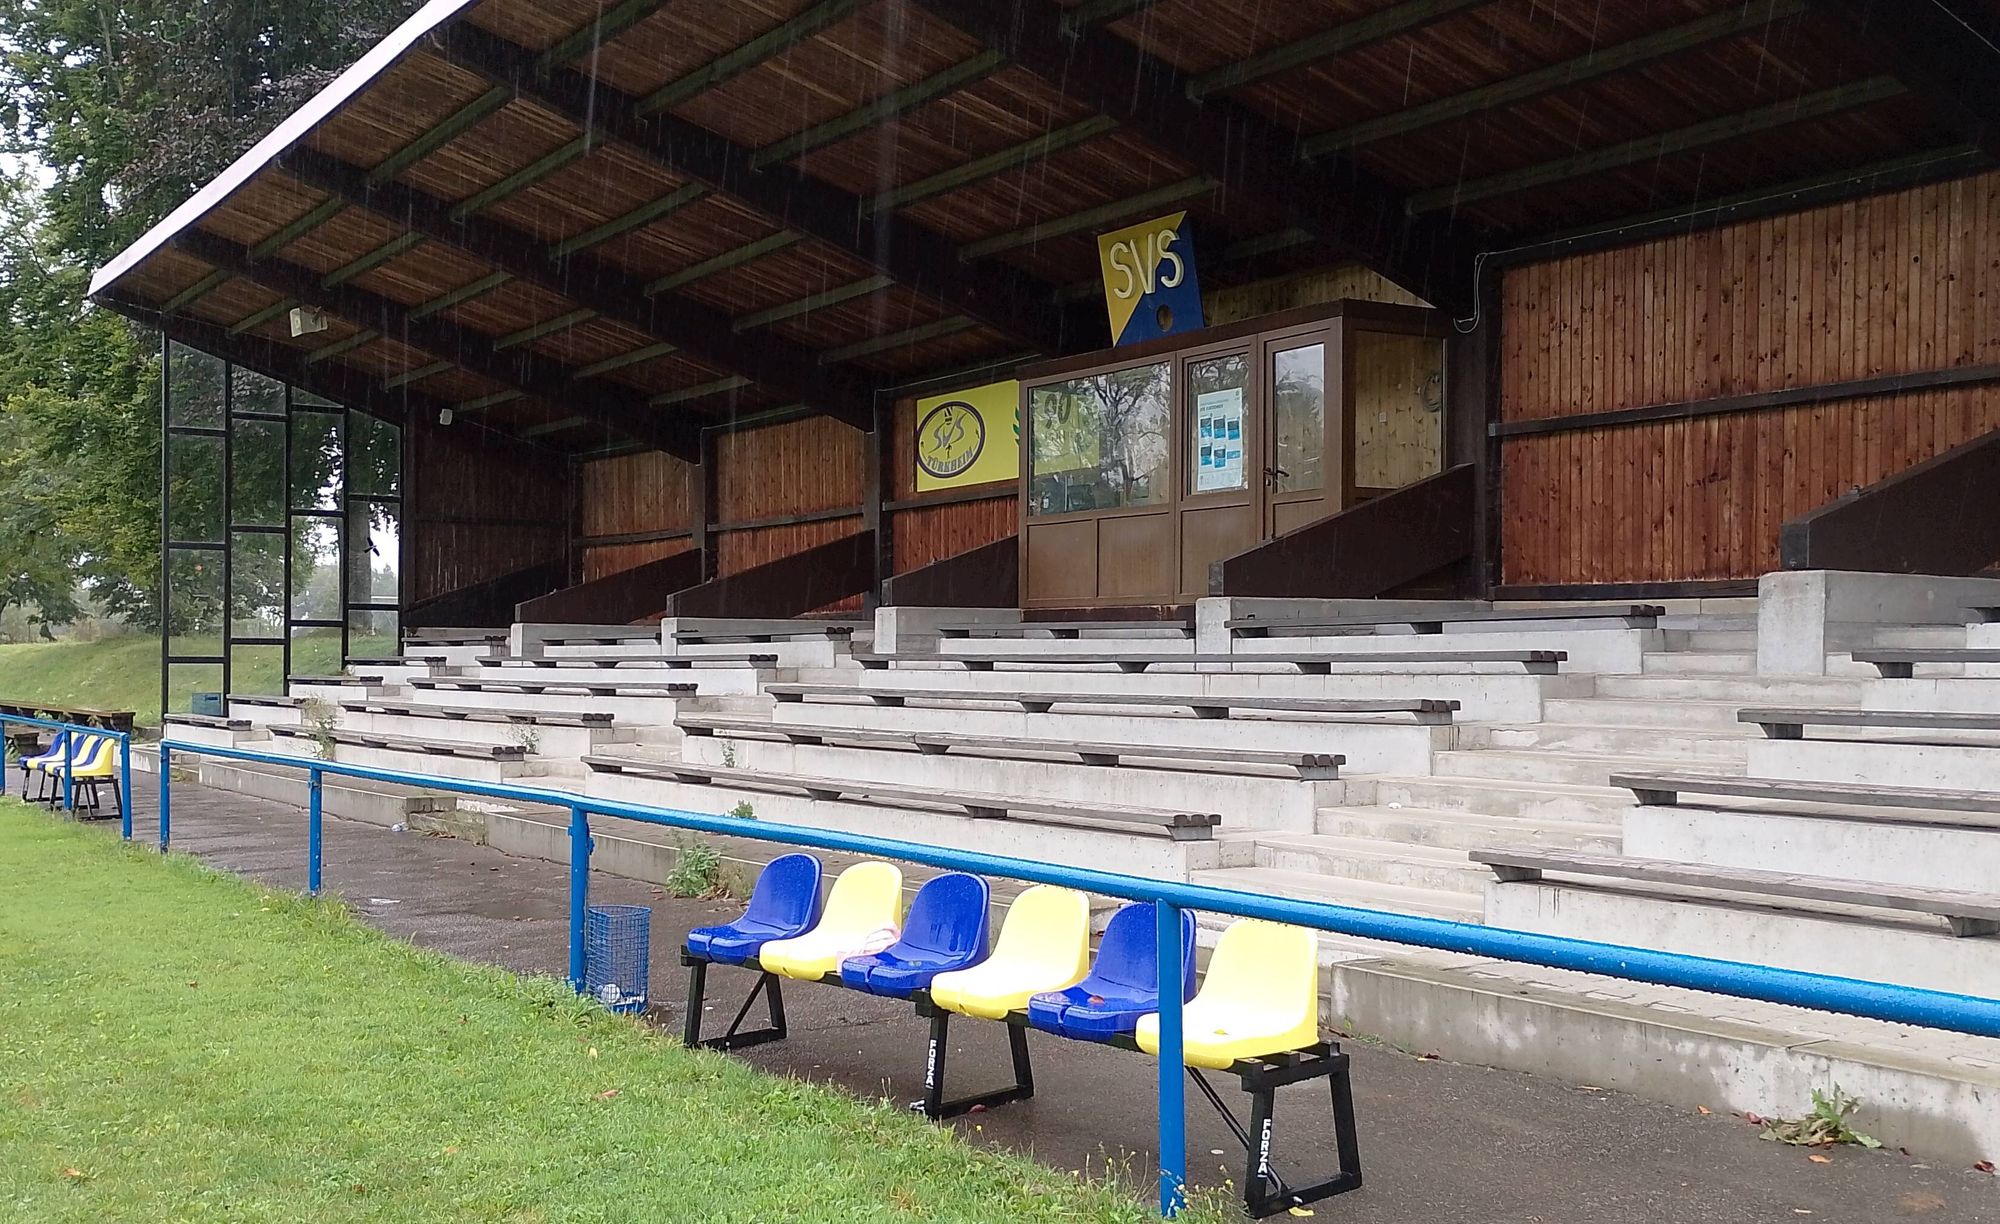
(617, 407)
(1941, 50)
(1590, 66)
(914, 256)
(788, 370)
(878, 111)
(1328, 44)
(1359, 216)
(732, 64)
(1665, 144)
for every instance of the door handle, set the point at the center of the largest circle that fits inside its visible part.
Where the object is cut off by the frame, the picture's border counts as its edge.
(1274, 474)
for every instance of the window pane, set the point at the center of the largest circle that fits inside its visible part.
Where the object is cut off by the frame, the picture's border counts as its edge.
(257, 453)
(374, 456)
(1298, 410)
(194, 489)
(257, 582)
(373, 635)
(316, 569)
(257, 671)
(1218, 390)
(1398, 409)
(185, 680)
(194, 388)
(374, 554)
(316, 652)
(252, 392)
(194, 602)
(316, 460)
(1102, 442)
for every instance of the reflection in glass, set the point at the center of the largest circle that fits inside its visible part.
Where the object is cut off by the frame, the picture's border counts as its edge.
(315, 568)
(374, 557)
(316, 460)
(1398, 409)
(194, 602)
(374, 456)
(252, 392)
(194, 388)
(1298, 412)
(257, 585)
(1101, 442)
(257, 671)
(373, 634)
(194, 489)
(1218, 427)
(257, 455)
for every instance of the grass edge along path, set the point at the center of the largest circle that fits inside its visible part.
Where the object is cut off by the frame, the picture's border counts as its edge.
(179, 1044)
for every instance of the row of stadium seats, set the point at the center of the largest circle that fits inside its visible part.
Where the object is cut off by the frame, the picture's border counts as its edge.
(1256, 1013)
(95, 762)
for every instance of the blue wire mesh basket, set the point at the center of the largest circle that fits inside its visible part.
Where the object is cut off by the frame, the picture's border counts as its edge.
(617, 940)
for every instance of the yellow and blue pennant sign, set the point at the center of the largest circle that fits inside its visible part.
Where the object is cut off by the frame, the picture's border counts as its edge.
(969, 437)
(1150, 284)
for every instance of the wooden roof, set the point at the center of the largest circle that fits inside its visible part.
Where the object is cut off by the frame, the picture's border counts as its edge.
(592, 221)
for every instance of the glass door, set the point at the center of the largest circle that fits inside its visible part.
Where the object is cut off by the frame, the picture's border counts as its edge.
(1301, 456)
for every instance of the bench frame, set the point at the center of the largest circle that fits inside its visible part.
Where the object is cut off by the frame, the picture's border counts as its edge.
(1533, 662)
(1266, 1192)
(1425, 711)
(1634, 616)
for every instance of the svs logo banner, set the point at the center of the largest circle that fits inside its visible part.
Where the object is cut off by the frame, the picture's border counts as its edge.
(1149, 280)
(969, 437)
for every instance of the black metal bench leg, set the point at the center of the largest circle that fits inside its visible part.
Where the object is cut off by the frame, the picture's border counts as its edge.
(734, 1038)
(935, 1107)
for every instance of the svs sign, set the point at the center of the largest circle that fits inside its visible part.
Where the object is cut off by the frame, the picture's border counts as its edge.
(1150, 286)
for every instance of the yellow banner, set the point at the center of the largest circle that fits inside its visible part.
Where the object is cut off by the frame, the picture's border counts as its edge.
(969, 437)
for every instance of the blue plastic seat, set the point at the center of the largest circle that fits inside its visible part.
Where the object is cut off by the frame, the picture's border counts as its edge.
(39, 763)
(947, 928)
(784, 904)
(1123, 985)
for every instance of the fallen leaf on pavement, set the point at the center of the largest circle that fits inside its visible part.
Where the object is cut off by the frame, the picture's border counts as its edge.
(1818, 1159)
(1984, 1166)
(1705, 1110)
(1920, 1202)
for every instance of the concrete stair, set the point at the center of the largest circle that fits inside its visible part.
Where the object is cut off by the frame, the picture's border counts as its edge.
(1651, 712)
(1506, 797)
(1372, 861)
(1462, 831)
(1333, 890)
(1699, 663)
(1548, 765)
(1731, 744)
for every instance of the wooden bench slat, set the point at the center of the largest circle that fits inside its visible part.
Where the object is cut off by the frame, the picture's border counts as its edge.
(1790, 723)
(1969, 913)
(1181, 826)
(408, 743)
(1310, 766)
(1426, 709)
(1313, 663)
(1662, 789)
(608, 688)
(1067, 630)
(212, 721)
(1638, 616)
(107, 720)
(331, 681)
(616, 662)
(537, 718)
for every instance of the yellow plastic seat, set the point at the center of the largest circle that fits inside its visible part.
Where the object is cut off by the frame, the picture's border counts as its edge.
(862, 914)
(1044, 945)
(1261, 997)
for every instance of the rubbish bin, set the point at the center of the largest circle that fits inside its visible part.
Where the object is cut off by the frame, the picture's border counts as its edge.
(617, 940)
(208, 705)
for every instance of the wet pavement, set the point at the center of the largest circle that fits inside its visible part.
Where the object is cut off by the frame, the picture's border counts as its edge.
(1440, 1142)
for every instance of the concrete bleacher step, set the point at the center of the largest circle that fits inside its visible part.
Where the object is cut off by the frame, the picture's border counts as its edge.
(1730, 745)
(376, 803)
(1845, 940)
(1707, 638)
(1748, 690)
(410, 756)
(1706, 716)
(1699, 663)
(1370, 860)
(1496, 796)
(1461, 831)
(1952, 850)
(1548, 765)
(1310, 886)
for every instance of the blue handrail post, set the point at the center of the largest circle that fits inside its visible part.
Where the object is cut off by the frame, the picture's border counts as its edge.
(313, 829)
(579, 890)
(124, 787)
(5, 744)
(1173, 1089)
(69, 773)
(166, 795)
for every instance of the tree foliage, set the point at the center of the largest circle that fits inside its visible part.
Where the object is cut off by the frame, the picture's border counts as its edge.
(111, 113)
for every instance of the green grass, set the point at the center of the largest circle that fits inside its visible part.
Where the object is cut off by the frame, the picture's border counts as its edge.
(124, 673)
(178, 1045)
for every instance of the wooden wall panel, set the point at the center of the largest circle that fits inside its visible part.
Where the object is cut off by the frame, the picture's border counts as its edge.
(932, 533)
(1902, 283)
(636, 493)
(480, 508)
(606, 560)
(794, 468)
(1309, 288)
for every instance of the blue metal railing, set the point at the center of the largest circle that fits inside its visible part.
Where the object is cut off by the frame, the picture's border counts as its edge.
(1874, 1000)
(70, 733)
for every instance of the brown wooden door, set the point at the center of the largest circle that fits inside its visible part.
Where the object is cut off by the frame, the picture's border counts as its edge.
(1221, 487)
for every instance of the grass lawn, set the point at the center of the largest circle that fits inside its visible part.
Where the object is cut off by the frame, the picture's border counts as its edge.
(124, 673)
(176, 1044)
